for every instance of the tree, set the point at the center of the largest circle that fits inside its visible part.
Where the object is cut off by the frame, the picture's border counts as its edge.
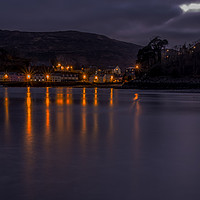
(151, 54)
(158, 45)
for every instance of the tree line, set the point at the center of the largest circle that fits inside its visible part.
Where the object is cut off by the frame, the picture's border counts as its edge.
(155, 59)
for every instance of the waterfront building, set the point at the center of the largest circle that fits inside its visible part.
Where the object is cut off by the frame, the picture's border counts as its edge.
(70, 77)
(130, 73)
(113, 70)
(56, 77)
(38, 78)
(12, 77)
(97, 78)
(2, 74)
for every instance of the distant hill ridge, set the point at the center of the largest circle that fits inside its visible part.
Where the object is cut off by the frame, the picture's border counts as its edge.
(69, 47)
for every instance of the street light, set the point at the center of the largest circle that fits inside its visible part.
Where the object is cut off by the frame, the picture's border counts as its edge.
(28, 76)
(6, 76)
(111, 78)
(47, 77)
(137, 67)
(84, 77)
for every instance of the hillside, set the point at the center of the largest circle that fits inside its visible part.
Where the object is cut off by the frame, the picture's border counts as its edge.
(69, 47)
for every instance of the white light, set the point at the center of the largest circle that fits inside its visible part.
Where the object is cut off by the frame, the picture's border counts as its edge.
(193, 7)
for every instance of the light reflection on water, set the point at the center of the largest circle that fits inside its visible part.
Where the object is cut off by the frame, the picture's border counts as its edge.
(47, 101)
(6, 103)
(92, 143)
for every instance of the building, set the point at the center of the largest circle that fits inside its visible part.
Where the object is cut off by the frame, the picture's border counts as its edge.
(12, 77)
(70, 77)
(113, 70)
(97, 78)
(61, 68)
(37, 78)
(2, 76)
(118, 78)
(56, 77)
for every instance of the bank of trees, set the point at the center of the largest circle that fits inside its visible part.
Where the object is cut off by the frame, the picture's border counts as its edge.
(156, 60)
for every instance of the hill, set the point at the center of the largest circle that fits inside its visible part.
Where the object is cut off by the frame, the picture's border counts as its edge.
(69, 47)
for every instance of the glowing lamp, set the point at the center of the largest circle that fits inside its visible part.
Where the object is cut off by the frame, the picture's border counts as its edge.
(28, 76)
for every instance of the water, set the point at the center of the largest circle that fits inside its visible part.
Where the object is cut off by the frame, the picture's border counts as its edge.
(102, 144)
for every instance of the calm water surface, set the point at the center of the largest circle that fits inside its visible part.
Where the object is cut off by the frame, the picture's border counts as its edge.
(99, 144)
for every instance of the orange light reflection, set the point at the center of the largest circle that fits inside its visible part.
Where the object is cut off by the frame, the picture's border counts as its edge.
(96, 97)
(69, 99)
(59, 97)
(136, 97)
(136, 128)
(6, 104)
(47, 111)
(28, 109)
(29, 138)
(84, 103)
(111, 97)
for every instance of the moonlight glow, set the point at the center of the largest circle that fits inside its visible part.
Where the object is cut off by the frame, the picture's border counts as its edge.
(193, 7)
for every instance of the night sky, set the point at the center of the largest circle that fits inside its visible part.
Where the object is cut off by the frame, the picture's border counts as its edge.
(128, 20)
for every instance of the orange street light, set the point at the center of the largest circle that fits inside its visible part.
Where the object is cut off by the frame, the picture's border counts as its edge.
(137, 67)
(47, 76)
(28, 76)
(111, 78)
(6, 76)
(84, 77)
(96, 77)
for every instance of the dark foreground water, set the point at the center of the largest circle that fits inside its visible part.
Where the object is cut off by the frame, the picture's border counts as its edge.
(99, 144)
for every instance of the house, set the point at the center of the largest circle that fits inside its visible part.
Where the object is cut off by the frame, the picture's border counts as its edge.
(118, 78)
(38, 78)
(21, 77)
(109, 78)
(130, 71)
(97, 78)
(56, 77)
(113, 70)
(2, 74)
(70, 77)
(12, 77)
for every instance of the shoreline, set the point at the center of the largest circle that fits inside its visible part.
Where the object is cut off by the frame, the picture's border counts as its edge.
(140, 85)
(160, 83)
(61, 84)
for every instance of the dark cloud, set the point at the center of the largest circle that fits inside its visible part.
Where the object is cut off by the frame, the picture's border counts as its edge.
(134, 21)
